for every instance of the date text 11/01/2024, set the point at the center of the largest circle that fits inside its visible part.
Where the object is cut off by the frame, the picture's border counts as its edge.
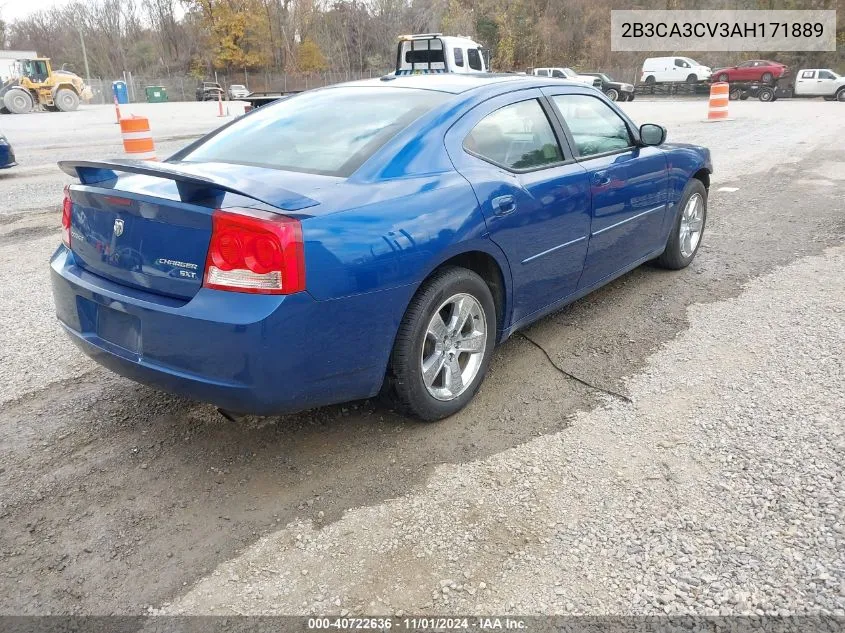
(722, 29)
(425, 623)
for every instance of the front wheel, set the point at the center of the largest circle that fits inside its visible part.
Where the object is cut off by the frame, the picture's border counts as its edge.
(691, 79)
(444, 345)
(840, 96)
(723, 77)
(685, 238)
(766, 94)
(612, 94)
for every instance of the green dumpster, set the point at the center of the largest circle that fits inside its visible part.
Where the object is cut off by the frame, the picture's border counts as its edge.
(156, 94)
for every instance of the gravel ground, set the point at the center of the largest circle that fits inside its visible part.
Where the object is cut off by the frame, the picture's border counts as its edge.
(116, 498)
(720, 490)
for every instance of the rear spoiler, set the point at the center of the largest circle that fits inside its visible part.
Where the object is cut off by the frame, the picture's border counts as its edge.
(191, 186)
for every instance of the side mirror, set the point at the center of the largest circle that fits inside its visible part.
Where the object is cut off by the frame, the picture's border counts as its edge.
(652, 134)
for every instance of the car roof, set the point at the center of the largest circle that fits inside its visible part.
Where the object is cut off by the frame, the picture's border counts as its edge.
(455, 83)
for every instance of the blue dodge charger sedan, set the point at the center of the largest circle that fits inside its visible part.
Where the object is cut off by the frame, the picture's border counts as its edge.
(377, 236)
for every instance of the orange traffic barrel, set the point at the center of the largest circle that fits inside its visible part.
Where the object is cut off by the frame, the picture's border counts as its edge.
(137, 139)
(718, 108)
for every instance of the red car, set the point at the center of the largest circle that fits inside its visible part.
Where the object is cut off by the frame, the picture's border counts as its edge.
(752, 70)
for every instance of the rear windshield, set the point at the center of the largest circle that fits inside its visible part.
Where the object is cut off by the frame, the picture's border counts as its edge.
(330, 132)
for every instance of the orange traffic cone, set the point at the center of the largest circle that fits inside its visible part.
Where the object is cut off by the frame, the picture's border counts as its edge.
(718, 107)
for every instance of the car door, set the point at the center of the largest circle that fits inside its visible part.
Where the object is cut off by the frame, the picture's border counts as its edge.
(826, 83)
(629, 184)
(535, 198)
(806, 83)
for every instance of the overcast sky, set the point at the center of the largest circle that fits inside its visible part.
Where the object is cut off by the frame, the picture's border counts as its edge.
(14, 9)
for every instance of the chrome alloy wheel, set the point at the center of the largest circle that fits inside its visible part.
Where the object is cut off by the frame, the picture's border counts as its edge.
(692, 224)
(454, 347)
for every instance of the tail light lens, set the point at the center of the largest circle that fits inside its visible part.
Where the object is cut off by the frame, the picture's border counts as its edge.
(252, 251)
(67, 207)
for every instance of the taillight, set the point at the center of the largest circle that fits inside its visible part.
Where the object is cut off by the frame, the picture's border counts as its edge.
(259, 252)
(67, 207)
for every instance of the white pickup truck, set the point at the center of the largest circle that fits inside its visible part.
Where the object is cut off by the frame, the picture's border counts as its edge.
(819, 82)
(433, 53)
(567, 73)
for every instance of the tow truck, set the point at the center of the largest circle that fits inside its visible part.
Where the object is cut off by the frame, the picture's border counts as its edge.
(807, 82)
(417, 54)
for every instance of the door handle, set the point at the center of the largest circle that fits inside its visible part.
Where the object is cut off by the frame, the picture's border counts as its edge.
(601, 178)
(504, 205)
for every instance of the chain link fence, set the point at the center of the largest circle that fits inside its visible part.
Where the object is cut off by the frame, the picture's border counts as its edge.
(184, 87)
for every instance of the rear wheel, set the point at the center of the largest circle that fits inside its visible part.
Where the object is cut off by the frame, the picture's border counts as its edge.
(18, 101)
(66, 100)
(612, 94)
(685, 238)
(444, 345)
(767, 78)
(630, 96)
(840, 96)
(650, 80)
(735, 94)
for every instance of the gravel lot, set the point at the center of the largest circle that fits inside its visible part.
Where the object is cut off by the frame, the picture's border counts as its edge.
(720, 488)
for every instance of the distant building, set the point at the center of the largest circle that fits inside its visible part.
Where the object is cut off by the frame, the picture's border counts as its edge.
(17, 54)
(7, 59)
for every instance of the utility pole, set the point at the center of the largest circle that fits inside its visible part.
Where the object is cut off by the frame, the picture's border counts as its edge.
(84, 57)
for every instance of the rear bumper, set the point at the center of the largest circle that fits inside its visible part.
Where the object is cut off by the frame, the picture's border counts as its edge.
(261, 354)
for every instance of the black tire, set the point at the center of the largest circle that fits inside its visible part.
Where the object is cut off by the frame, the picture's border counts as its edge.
(404, 384)
(18, 101)
(829, 98)
(840, 95)
(735, 94)
(722, 77)
(650, 80)
(672, 257)
(766, 78)
(744, 96)
(630, 96)
(612, 94)
(766, 94)
(66, 100)
(692, 78)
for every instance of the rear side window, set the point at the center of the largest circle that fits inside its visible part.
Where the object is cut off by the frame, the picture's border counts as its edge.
(808, 74)
(595, 127)
(517, 136)
(542, 72)
(330, 132)
(474, 58)
(459, 57)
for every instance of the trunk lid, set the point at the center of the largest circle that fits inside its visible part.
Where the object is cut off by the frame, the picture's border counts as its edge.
(148, 225)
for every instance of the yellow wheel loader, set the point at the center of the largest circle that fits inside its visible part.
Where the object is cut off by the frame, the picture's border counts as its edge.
(33, 84)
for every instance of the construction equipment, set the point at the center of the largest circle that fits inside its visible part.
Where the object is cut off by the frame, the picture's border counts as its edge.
(33, 84)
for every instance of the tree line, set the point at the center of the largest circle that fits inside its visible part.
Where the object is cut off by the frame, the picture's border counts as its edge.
(199, 37)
